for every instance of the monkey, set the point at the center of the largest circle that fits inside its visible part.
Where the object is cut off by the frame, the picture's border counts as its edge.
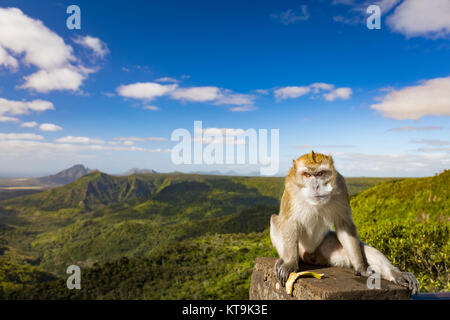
(315, 200)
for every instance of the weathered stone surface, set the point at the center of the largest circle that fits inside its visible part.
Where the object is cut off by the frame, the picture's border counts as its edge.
(338, 284)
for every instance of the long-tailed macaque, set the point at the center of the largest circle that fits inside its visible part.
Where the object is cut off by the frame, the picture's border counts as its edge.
(315, 199)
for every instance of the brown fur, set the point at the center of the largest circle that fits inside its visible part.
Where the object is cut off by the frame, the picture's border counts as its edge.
(314, 159)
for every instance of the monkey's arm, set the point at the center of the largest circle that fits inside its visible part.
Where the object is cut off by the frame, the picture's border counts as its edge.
(348, 237)
(346, 230)
(285, 240)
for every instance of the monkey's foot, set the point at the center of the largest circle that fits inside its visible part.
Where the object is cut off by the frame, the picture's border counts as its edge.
(283, 270)
(362, 273)
(408, 280)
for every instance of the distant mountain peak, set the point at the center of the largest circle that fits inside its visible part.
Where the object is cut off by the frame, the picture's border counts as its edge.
(76, 171)
(66, 176)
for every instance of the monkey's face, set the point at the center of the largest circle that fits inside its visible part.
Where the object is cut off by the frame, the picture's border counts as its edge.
(316, 182)
(315, 178)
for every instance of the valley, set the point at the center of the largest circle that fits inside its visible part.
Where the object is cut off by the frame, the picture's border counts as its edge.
(191, 236)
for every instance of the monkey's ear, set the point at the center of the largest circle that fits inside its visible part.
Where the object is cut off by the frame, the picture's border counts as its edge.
(330, 158)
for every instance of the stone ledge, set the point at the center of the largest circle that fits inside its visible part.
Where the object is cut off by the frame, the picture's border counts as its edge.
(338, 284)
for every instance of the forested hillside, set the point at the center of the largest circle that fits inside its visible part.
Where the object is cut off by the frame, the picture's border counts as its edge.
(171, 236)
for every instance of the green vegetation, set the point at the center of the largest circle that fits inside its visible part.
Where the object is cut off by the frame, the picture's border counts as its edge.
(408, 220)
(180, 236)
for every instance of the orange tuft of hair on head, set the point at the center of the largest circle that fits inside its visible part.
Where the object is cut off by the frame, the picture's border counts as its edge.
(315, 158)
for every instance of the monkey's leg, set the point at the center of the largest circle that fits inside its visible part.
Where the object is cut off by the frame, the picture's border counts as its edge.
(348, 237)
(284, 239)
(332, 251)
(383, 266)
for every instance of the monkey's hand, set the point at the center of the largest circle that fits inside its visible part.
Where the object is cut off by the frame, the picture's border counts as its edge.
(407, 279)
(361, 271)
(283, 270)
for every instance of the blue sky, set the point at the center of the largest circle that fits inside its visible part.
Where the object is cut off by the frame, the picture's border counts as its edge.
(378, 100)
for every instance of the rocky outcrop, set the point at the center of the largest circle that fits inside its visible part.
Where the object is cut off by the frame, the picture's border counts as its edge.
(338, 284)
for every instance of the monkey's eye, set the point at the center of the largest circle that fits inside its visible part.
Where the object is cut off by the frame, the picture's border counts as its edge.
(306, 174)
(320, 173)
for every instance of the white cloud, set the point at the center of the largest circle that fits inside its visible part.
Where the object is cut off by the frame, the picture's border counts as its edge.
(108, 94)
(410, 128)
(290, 16)
(361, 6)
(421, 18)
(68, 78)
(95, 44)
(9, 119)
(227, 97)
(140, 139)
(432, 142)
(243, 108)
(20, 148)
(329, 93)
(82, 140)
(31, 124)
(11, 107)
(385, 5)
(358, 10)
(20, 136)
(196, 94)
(316, 87)
(32, 42)
(166, 79)
(440, 150)
(410, 17)
(49, 127)
(150, 90)
(391, 165)
(291, 92)
(230, 136)
(262, 91)
(345, 20)
(159, 150)
(430, 97)
(7, 60)
(152, 108)
(340, 93)
(24, 35)
(145, 90)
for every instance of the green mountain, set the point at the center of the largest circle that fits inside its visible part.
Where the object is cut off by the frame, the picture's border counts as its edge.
(170, 236)
(400, 199)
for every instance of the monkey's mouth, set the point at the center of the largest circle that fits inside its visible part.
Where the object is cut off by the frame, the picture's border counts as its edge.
(321, 197)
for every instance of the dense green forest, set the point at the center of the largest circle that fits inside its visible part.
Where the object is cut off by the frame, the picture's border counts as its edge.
(180, 236)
